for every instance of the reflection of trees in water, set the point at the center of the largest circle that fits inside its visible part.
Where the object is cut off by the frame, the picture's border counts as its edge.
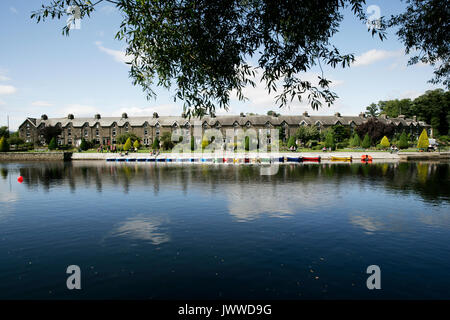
(4, 173)
(430, 180)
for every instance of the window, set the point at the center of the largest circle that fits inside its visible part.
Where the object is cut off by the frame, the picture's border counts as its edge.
(145, 132)
(28, 134)
(69, 132)
(69, 141)
(114, 132)
(114, 141)
(187, 125)
(85, 132)
(96, 133)
(205, 125)
(157, 132)
(28, 125)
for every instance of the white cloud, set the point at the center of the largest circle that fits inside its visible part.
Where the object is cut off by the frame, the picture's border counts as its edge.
(7, 89)
(375, 55)
(118, 55)
(259, 97)
(41, 104)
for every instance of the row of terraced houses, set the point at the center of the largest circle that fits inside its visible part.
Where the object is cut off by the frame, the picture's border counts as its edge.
(105, 130)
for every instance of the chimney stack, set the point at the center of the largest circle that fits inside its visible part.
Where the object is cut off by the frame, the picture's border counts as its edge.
(70, 116)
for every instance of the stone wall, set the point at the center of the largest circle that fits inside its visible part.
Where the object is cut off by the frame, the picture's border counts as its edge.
(35, 156)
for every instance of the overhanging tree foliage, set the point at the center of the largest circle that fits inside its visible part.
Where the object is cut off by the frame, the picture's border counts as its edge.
(202, 48)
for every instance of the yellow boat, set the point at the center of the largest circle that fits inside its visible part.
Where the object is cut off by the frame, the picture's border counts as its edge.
(341, 158)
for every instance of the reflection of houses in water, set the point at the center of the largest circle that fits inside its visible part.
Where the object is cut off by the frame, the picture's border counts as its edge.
(291, 183)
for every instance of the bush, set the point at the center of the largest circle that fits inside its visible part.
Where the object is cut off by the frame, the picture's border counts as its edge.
(366, 142)
(52, 144)
(136, 144)
(403, 141)
(291, 142)
(4, 146)
(355, 141)
(192, 143)
(385, 142)
(342, 145)
(127, 145)
(84, 145)
(205, 143)
(122, 139)
(423, 140)
(155, 144)
(329, 140)
(312, 143)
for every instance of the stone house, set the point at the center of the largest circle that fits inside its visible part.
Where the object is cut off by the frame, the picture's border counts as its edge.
(105, 130)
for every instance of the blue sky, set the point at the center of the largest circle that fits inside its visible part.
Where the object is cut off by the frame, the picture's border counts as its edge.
(42, 71)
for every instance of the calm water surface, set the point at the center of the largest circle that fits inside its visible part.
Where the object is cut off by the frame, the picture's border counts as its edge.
(169, 231)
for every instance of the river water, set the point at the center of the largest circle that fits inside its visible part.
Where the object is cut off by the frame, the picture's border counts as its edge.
(206, 231)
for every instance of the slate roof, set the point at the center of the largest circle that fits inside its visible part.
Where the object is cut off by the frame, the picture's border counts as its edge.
(223, 120)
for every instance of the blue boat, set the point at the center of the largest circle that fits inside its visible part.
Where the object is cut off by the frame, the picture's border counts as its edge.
(141, 160)
(111, 160)
(131, 160)
(121, 159)
(151, 160)
(161, 160)
(281, 159)
(297, 159)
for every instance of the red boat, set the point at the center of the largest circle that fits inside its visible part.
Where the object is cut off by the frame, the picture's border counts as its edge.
(313, 159)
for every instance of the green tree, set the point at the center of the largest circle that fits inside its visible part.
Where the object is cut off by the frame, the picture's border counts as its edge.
(341, 133)
(247, 143)
(307, 133)
(372, 110)
(291, 142)
(166, 140)
(433, 107)
(84, 145)
(14, 139)
(403, 142)
(329, 140)
(385, 142)
(4, 146)
(136, 144)
(355, 141)
(394, 108)
(52, 145)
(205, 143)
(4, 132)
(423, 140)
(155, 144)
(127, 145)
(50, 132)
(366, 142)
(192, 143)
